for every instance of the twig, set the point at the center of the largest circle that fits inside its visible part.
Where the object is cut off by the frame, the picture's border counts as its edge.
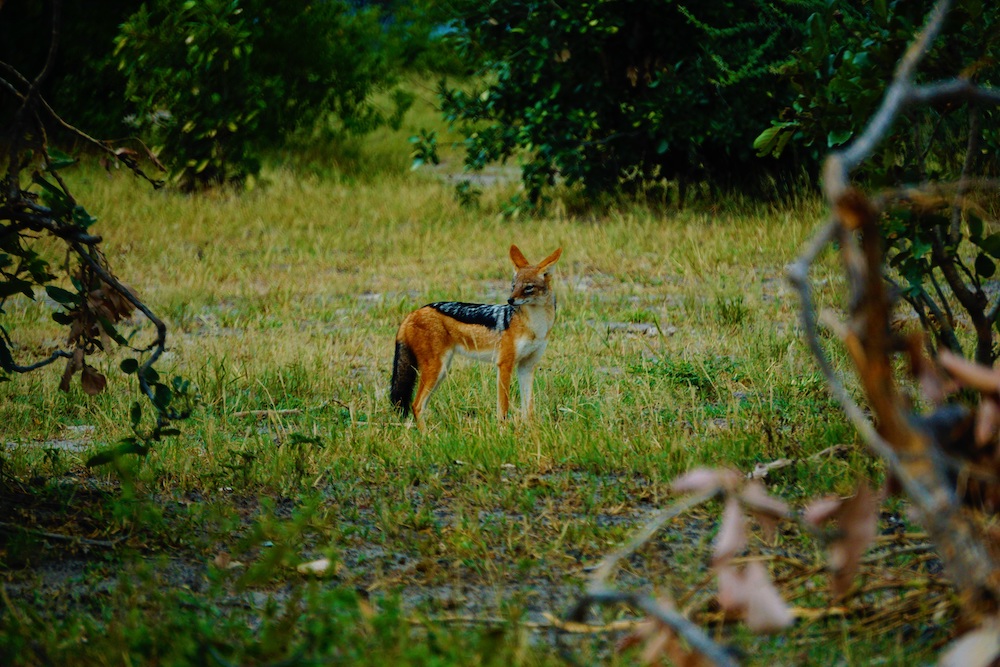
(607, 566)
(599, 592)
(109, 544)
(761, 470)
(266, 413)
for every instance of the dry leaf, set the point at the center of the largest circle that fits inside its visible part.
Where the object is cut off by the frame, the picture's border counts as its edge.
(858, 521)
(766, 611)
(73, 364)
(705, 480)
(661, 643)
(822, 510)
(93, 382)
(987, 420)
(656, 645)
(732, 591)
(732, 536)
(765, 508)
(978, 648)
(751, 594)
(969, 373)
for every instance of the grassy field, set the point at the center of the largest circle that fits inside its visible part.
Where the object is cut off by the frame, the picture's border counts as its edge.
(676, 345)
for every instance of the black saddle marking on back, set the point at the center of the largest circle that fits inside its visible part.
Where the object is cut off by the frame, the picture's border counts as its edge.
(492, 317)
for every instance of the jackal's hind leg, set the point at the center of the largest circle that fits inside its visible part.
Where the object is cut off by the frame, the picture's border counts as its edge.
(432, 371)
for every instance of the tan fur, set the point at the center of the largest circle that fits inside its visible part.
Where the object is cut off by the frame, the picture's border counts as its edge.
(433, 338)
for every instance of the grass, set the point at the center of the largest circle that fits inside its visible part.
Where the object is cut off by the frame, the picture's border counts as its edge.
(287, 300)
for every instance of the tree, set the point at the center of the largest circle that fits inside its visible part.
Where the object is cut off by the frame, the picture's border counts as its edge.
(216, 82)
(36, 202)
(615, 94)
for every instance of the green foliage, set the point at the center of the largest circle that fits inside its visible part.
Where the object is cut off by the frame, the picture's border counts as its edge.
(615, 94)
(945, 259)
(842, 70)
(941, 256)
(215, 82)
(416, 37)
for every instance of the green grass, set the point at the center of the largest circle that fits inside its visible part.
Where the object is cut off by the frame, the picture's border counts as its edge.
(287, 299)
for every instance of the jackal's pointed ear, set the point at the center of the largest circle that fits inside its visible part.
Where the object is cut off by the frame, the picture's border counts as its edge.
(516, 256)
(550, 260)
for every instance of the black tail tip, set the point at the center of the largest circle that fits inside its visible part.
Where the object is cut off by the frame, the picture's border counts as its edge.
(404, 379)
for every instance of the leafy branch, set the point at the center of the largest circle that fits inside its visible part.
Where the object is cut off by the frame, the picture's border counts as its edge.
(35, 202)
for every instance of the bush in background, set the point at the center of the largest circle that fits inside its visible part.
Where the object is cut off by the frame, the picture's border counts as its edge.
(214, 82)
(616, 94)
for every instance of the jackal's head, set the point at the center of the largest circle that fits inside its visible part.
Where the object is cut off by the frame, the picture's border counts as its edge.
(531, 281)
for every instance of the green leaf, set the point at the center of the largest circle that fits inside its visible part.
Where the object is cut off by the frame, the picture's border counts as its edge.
(985, 267)
(975, 227)
(112, 332)
(82, 218)
(920, 247)
(58, 159)
(12, 286)
(6, 358)
(129, 366)
(128, 446)
(881, 10)
(60, 295)
(135, 414)
(838, 137)
(48, 187)
(162, 396)
(991, 244)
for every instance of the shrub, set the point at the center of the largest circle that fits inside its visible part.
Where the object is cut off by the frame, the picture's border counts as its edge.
(214, 82)
(614, 94)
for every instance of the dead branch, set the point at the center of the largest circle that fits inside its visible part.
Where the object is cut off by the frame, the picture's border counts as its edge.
(761, 470)
(910, 449)
(15, 528)
(600, 590)
(266, 413)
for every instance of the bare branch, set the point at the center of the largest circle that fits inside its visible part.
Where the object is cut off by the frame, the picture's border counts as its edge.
(958, 90)
(600, 592)
(906, 444)
(899, 93)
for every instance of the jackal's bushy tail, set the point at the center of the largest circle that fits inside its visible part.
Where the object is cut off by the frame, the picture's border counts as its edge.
(404, 378)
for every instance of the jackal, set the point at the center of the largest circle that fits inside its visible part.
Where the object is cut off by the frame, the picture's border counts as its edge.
(511, 335)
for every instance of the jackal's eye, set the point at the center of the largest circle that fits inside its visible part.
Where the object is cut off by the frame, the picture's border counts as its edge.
(529, 289)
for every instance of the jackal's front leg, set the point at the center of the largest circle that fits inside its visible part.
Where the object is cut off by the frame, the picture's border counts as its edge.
(525, 380)
(505, 370)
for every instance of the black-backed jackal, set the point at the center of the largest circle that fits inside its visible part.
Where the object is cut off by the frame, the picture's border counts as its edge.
(512, 335)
